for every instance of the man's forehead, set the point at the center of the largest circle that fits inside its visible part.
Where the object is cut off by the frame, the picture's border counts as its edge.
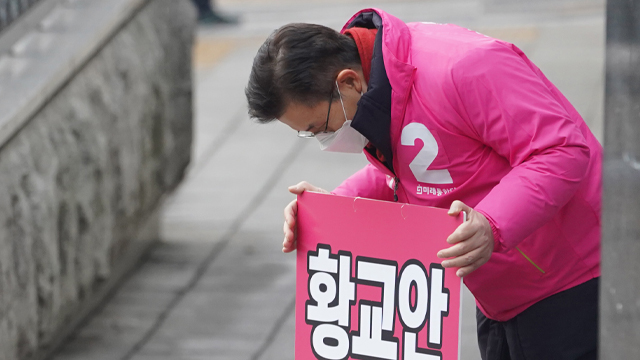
(302, 117)
(298, 107)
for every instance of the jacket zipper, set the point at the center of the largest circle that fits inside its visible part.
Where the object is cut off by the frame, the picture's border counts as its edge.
(396, 182)
(404, 109)
(531, 261)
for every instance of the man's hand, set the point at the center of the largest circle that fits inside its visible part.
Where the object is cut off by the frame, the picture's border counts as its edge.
(473, 241)
(291, 215)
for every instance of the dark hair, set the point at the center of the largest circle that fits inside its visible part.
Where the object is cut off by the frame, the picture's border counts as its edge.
(297, 63)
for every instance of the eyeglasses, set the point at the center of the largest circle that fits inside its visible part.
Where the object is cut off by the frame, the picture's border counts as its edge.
(310, 134)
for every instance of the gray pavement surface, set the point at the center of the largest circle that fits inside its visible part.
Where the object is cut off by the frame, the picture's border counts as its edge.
(217, 285)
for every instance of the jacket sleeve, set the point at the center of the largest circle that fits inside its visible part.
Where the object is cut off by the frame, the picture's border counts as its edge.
(512, 111)
(368, 182)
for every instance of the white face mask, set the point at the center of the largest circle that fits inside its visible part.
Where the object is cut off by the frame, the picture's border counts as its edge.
(345, 140)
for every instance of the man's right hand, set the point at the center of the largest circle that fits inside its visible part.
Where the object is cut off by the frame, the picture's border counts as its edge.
(291, 215)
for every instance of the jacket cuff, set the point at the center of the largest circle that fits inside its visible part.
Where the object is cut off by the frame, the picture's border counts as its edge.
(497, 239)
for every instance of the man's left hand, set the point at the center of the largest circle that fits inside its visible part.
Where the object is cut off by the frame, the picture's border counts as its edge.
(472, 241)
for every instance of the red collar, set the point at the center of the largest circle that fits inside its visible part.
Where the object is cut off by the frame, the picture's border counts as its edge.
(364, 38)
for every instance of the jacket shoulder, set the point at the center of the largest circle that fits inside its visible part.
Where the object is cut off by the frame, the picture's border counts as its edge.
(450, 42)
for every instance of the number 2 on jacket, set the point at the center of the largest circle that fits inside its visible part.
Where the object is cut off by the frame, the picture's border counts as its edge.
(420, 164)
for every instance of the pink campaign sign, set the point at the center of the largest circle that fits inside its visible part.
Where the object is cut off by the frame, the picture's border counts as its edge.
(369, 284)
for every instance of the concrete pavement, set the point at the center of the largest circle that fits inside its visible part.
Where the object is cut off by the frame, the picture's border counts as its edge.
(217, 285)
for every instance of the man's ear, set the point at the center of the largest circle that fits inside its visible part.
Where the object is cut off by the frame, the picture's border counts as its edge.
(351, 79)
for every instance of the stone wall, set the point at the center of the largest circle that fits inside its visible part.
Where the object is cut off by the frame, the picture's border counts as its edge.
(81, 178)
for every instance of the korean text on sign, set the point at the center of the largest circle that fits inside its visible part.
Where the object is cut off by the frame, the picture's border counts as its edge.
(419, 298)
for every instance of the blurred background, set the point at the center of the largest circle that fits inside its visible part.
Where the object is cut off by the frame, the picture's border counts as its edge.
(148, 204)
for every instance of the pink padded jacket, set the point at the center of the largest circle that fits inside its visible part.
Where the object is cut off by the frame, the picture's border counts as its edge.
(472, 119)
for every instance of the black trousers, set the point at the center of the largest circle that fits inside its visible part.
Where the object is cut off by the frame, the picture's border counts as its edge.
(563, 326)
